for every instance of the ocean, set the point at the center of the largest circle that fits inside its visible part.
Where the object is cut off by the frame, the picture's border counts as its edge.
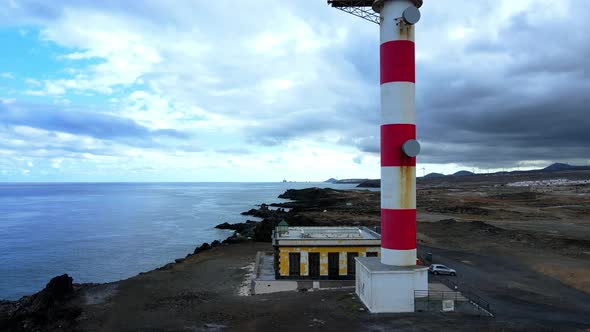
(102, 232)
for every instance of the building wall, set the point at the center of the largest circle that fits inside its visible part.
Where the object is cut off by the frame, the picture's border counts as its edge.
(283, 256)
(375, 288)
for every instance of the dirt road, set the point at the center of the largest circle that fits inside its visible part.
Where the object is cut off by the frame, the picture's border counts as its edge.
(516, 293)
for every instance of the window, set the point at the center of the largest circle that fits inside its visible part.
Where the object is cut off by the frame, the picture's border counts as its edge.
(314, 264)
(350, 267)
(333, 265)
(294, 264)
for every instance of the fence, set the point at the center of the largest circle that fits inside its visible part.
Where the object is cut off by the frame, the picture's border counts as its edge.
(465, 301)
(469, 294)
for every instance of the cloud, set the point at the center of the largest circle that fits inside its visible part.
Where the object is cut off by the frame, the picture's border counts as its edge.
(358, 159)
(93, 124)
(502, 94)
(234, 151)
(499, 87)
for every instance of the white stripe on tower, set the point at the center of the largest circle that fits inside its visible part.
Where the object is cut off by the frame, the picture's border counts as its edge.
(398, 124)
(404, 109)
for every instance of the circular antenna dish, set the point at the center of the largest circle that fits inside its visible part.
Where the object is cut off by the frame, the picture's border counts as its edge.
(411, 148)
(411, 15)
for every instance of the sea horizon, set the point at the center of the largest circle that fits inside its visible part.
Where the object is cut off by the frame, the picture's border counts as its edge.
(119, 182)
(107, 231)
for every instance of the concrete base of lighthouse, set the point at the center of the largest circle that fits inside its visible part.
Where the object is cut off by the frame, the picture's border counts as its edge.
(387, 288)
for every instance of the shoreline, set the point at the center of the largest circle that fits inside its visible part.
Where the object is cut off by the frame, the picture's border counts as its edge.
(95, 245)
(466, 225)
(204, 246)
(52, 300)
(58, 303)
(61, 289)
(231, 239)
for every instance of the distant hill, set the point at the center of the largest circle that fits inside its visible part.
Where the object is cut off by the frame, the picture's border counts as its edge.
(559, 167)
(351, 181)
(330, 180)
(434, 175)
(376, 183)
(463, 173)
(370, 184)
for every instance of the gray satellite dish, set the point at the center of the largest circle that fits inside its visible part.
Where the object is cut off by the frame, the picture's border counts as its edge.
(411, 15)
(411, 148)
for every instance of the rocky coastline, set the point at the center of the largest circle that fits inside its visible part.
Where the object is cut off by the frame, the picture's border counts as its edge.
(467, 223)
(370, 184)
(345, 206)
(58, 305)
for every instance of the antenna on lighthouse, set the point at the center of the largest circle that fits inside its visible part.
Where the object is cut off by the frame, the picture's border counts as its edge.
(369, 9)
(360, 9)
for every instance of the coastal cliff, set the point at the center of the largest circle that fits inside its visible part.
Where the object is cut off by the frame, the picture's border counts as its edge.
(311, 207)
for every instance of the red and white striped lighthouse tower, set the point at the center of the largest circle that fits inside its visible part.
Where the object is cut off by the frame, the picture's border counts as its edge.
(390, 285)
(398, 131)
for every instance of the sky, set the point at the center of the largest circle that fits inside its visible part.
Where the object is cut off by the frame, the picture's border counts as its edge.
(267, 90)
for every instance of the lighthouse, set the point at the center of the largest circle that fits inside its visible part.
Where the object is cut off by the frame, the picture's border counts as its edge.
(398, 131)
(391, 282)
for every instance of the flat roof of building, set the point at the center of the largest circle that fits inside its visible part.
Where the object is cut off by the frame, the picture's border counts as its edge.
(328, 233)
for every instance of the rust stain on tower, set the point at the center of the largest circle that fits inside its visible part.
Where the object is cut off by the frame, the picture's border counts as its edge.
(405, 185)
(405, 30)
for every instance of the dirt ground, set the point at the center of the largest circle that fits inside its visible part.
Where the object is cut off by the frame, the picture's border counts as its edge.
(202, 294)
(546, 228)
(525, 250)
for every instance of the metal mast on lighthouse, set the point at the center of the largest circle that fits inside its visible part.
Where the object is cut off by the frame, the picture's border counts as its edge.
(398, 122)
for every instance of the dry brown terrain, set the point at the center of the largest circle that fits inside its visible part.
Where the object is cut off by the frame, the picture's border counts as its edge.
(546, 228)
(202, 294)
(525, 250)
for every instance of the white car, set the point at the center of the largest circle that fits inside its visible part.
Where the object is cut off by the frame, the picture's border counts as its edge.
(441, 269)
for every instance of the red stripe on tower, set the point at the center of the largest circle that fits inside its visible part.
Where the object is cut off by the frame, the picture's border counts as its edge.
(398, 229)
(398, 61)
(393, 136)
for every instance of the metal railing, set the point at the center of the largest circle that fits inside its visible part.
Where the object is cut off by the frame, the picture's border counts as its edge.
(432, 300)
(432, 295)
(478, 301)
(469, 294)
(466, 302)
